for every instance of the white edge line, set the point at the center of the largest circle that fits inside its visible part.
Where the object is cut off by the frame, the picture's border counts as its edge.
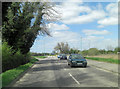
(106, 71)
(115, 73)
(74, 78)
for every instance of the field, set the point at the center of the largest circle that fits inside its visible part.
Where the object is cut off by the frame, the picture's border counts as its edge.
(111, 56)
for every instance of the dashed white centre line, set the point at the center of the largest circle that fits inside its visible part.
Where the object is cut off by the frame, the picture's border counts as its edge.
(74, 78)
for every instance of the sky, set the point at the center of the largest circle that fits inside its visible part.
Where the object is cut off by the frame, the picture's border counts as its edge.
(82, 25)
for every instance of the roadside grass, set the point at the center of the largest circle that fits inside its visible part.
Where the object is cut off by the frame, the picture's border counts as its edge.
(111, 56)
(40, 56)
(104, 59)
(9, 75)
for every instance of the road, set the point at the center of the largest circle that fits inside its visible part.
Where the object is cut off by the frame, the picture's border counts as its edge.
(51, 72)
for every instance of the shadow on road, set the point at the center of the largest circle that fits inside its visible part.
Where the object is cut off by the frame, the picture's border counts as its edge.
(53, 65)
(47, 67)
(47, 61)
(58, 82)
(79, 67)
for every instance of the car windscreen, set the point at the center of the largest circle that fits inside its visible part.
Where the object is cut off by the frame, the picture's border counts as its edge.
(76, 57)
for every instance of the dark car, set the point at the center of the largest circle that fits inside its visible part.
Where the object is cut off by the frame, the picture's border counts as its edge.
(63, 56)
(77, 60)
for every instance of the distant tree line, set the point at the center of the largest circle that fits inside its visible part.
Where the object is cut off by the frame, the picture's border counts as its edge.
(95, 51)
(65, 48)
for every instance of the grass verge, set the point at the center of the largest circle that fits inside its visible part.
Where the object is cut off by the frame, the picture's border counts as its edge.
(104, 59)
(10, 75)
(40, 56)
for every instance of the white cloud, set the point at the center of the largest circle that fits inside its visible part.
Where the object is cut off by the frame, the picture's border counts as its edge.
(73, 10)
(77, 13)
(94, 15)
(93, 39)
(99, 42)
(65, 36)
(108, 21)
(107, 42)
(111, 17)
(112, 8)
(54, 26)
(96, 32)
(91, 42)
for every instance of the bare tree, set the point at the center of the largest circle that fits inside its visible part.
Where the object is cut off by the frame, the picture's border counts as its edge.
(62, 47)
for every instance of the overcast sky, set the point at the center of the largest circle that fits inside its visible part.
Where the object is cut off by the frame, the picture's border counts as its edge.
(95, 22)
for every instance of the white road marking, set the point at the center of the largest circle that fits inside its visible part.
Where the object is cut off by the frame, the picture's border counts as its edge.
(106, 71)
(74, 78)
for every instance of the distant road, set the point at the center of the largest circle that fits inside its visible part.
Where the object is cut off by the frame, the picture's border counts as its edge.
(52, 72)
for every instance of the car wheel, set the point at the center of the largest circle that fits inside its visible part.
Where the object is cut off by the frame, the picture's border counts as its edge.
(84, 65)
(71, 65)
(68, 64)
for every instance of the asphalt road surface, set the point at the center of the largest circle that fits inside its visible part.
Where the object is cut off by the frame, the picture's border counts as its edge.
(52, 72)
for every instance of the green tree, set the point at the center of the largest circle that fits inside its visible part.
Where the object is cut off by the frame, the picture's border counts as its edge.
(93, 51)
(24, 22)
(74, 51)
(5, 6)
(85, 52)
(117, 49)
(110, 51)
(102, 51)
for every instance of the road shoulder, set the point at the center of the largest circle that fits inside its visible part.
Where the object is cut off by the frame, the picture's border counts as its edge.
(104, 65)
